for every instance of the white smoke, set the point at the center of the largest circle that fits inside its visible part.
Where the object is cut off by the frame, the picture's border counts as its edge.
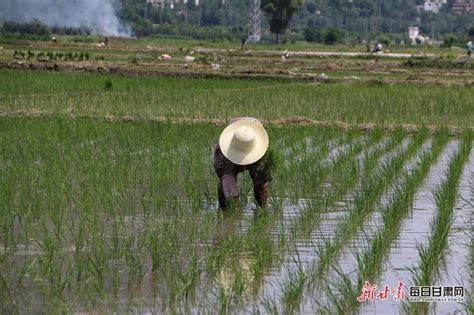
(97, 15)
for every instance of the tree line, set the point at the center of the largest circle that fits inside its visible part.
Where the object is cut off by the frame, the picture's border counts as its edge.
(325, 21)
(361, 18)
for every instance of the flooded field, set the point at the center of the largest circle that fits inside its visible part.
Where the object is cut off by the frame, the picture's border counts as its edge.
(122, 217)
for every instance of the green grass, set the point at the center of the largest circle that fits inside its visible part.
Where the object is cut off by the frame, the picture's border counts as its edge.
(98, 95)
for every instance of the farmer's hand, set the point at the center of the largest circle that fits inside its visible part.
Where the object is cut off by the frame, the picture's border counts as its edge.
(261, 194)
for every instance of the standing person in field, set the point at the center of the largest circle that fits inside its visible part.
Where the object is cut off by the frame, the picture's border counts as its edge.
(469, 48)
(242, 146)
(243, 42)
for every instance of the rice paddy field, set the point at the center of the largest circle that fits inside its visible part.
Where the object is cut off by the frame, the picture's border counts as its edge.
(98, 95)
(108, 198)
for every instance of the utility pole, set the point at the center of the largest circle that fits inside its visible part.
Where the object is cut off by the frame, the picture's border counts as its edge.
(256, 17)
(49, 13)
(146, 9)
(185, 12)
(223, 13)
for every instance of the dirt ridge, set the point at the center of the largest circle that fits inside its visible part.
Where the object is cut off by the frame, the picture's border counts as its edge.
(126, 70)
(292, 120)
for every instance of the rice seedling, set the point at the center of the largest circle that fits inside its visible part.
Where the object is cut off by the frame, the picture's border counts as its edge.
(370, 260)
(256, 242)
(469, 304)
(324, 200)
(261, 247)
(84, 95)
(371, 189)
(342, 172)
(270, 307)
(293, 289)
(431, 255)
(104, 214)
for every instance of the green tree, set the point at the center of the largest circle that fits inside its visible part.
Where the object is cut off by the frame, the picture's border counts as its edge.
(332, 36)
(367, 9)
(384, 40)
(279, 13)
(312, 34)
(470, 32)
(357, 18)
(142, 28)
(448, 40)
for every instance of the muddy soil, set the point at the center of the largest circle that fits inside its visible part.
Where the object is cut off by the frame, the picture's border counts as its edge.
(293, 71)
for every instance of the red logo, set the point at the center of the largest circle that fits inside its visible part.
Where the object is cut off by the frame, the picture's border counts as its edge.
(368, 292)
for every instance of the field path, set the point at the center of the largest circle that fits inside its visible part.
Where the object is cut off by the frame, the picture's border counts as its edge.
(301, 53)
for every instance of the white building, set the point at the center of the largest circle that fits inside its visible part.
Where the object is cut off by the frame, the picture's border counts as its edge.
(415, 37)
(170, 3)
(434, 5)
(413, 33)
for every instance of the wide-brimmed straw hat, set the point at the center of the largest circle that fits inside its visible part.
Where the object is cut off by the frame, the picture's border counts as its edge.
(244, 141)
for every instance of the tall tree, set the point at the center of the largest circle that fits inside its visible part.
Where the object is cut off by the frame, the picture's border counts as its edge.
(367, 9)
(279, 13)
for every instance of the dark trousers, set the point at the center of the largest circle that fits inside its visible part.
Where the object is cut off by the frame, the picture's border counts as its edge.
(227, 190)
(228, 193)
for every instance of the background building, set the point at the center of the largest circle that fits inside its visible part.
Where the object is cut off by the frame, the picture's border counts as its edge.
(170, 3)
(463, 6)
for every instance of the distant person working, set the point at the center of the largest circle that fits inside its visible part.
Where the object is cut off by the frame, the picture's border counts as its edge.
(377, 48)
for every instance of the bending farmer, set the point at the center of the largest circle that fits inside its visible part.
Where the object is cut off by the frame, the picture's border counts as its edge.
(242, 146)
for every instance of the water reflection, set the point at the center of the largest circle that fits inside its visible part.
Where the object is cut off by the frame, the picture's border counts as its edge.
(244, 256)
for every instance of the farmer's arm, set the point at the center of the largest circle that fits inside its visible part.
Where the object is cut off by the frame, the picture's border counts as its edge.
(261, 173)
(227, 190)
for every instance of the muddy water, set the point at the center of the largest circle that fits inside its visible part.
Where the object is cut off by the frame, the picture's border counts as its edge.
(275, 274)
(333, 215)
(145, 297)
(304, 253)
(347, 259)
(337, 151)
(414, 231)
